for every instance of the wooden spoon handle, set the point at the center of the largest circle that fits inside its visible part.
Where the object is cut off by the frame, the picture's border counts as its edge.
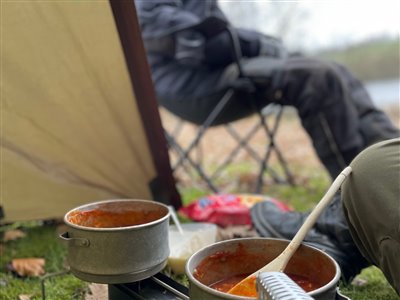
(313, 216)
(247, 285)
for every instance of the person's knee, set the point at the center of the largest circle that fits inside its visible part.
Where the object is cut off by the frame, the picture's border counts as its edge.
(370, 198)
(374, 171)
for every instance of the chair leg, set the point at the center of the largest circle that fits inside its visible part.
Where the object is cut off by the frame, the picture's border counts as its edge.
(210, 119)
(282, 160)
(272, 147)
(242, 143)
(184, 154)
(195, 165)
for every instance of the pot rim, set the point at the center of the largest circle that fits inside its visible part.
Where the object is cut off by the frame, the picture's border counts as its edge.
(193, 280)
(133, 227)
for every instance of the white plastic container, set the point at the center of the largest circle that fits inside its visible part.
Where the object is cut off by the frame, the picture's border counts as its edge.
(195, 236)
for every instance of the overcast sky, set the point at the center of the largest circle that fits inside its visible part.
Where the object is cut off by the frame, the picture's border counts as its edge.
(347, 21)
(324, 23)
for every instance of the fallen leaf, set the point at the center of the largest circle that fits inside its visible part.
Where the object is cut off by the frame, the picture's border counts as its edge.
(31, 267)
(12, 235)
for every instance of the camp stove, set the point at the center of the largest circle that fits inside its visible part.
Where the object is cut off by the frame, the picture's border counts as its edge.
(161, 287)
(157, 287)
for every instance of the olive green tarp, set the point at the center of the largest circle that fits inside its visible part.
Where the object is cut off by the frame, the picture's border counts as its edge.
(72, 130)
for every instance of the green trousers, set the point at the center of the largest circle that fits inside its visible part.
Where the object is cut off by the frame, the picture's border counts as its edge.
(371, 203)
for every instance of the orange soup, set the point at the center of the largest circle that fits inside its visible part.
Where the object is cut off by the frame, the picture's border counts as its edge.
(226, 284)
(99, 218)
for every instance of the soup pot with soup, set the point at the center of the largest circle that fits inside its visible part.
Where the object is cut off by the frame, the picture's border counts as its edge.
(213, 270)
(117, 241)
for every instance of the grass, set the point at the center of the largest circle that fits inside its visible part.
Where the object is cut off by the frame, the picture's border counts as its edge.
(42, 241)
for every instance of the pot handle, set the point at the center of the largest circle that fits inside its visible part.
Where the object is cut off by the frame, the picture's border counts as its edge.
(81, 242)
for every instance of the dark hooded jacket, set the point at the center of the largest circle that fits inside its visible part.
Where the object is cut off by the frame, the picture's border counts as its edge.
(187, 47)
(164, 17)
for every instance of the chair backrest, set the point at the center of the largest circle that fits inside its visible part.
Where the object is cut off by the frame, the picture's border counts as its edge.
(78, 112)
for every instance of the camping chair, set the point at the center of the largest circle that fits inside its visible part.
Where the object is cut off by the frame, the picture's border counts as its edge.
(187, 162)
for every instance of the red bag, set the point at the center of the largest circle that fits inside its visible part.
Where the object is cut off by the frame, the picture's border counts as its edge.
(225, 209)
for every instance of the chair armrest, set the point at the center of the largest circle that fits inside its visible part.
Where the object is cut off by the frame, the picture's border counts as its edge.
(237, 52)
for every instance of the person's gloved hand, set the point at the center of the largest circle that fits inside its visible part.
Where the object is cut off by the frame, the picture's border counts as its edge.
(273, 47)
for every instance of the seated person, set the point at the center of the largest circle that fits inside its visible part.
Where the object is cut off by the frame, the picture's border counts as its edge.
(192, 65)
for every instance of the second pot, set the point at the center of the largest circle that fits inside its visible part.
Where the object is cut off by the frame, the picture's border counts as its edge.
(244, 256)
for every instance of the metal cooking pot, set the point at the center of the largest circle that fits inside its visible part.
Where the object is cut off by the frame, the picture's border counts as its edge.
(117, 241)
(244, 256)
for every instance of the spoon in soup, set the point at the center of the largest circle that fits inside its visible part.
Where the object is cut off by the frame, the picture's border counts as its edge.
(248, 285)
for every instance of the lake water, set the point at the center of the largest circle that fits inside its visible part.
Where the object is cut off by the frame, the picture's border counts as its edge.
(384, 92)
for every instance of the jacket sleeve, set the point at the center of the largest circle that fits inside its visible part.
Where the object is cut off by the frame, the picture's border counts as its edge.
(163, 17)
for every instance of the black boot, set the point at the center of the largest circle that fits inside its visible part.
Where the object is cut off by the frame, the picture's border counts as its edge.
(330, 234)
